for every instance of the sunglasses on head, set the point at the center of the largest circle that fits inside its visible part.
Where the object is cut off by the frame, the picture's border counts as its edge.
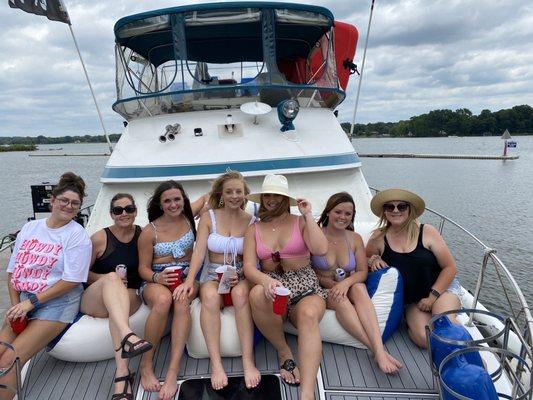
(130, 209)
(388, 207)
(276, 257)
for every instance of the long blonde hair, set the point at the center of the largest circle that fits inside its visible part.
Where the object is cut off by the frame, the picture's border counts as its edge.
(218, 186)
(410, 225)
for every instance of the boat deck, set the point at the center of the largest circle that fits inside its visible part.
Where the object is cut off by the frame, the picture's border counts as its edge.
(345, 373)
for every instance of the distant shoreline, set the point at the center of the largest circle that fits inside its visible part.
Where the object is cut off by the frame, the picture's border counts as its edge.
(17, 147)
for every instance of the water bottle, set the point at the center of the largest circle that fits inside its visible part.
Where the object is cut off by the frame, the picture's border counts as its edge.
(340, 274)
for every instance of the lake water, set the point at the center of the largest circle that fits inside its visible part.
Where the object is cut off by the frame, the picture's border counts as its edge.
(490, 198)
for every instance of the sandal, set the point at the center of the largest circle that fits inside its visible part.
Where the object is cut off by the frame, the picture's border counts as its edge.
(133, 350)
(128, 385)
(289, 365)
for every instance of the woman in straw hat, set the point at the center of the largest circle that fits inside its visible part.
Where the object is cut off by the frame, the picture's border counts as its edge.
(220, 237)
(419, 252)
(281, 243)
(349, 296)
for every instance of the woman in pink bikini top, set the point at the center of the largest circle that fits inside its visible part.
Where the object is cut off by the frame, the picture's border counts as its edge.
(281, 244)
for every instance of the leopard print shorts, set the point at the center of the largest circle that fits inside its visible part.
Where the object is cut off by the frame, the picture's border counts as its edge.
(300, 281)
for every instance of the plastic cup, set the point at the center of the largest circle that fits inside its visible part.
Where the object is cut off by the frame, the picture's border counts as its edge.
(178, 273)
(220, 271)
(19, 324)
(226, 299)
(279, 306)
(121, 271)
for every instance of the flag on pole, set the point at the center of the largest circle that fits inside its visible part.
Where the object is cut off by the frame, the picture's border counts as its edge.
(54, 10)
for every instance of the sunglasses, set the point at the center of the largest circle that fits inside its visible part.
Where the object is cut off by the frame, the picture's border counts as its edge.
(130, 209)
(400, 207)
(276, 257)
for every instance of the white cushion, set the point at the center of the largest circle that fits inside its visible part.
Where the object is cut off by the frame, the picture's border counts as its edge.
(230, 346)
(385, 288)
(88, 339)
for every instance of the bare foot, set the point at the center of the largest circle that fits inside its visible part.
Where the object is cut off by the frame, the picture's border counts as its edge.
(395, 361)
(385, 364)
(168, 390)
(252, 376)
(219, 379)
(290, 377)
(149, 382)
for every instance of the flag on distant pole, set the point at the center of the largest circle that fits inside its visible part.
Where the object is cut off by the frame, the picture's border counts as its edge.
(54, 10)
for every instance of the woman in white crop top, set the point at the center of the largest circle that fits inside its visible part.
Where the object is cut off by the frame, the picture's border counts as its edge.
(221, 235)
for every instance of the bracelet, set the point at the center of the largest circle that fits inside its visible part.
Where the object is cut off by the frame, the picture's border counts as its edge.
(372, 259)
(435, 292)
(34, 301)
(154, 277)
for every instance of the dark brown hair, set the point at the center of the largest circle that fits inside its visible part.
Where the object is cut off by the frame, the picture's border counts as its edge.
(119, 196)
(70, 181)
(334, 201)
(267, 215)
(154, 203)
(218, 186)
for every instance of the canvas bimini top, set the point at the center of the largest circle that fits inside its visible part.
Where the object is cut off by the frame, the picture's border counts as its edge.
(191, 57)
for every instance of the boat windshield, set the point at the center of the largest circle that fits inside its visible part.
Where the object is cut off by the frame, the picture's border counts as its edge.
(221, 56)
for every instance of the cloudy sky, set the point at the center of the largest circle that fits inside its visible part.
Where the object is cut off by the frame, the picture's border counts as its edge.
(422, 55)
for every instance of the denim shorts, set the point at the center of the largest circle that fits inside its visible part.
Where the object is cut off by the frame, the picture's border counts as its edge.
(60, 309)
(211, 275)
(455, 288)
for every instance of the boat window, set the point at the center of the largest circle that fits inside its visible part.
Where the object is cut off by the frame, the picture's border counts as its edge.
(143, 26)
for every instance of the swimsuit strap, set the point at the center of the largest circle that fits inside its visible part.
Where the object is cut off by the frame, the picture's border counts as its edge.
(155, 231)
(213, 220)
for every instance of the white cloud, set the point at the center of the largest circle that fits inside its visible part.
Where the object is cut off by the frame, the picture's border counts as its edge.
(421, 56)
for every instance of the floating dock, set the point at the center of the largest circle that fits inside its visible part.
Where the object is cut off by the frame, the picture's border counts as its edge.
(71, 155)
(439, 156)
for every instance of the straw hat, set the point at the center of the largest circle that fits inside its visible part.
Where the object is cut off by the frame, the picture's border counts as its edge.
(274, 184)
(381, 198)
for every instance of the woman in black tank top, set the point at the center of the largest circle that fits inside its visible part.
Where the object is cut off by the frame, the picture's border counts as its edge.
(111, 291)
(419, 252)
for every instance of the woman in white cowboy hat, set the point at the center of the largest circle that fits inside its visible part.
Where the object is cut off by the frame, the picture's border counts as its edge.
(281, 243)
(419, 252)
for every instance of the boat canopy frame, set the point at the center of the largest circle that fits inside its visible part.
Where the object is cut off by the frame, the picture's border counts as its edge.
(165, 58)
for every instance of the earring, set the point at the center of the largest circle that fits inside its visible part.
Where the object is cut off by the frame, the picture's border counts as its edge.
(221, 202)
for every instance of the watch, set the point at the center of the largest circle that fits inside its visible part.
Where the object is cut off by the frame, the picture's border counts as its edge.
(435, 293)
(34, 300)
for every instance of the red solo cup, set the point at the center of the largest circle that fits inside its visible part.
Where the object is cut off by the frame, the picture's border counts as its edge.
(226, 299)
(279, 306)
(178, 273)
(220, 271)
(19, 324)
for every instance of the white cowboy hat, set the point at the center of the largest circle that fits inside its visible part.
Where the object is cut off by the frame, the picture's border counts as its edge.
(385, 196)
(274, 184)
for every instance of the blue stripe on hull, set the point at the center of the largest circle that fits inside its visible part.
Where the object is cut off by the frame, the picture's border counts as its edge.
(242, 166)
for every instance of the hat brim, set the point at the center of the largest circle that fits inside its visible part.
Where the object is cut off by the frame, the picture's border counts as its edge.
(256, 197)
(377, 202)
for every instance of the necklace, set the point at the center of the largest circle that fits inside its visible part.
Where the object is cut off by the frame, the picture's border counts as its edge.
(330, 240)
(277, 223)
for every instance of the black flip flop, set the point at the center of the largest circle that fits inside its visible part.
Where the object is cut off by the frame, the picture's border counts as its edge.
(289, 365)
